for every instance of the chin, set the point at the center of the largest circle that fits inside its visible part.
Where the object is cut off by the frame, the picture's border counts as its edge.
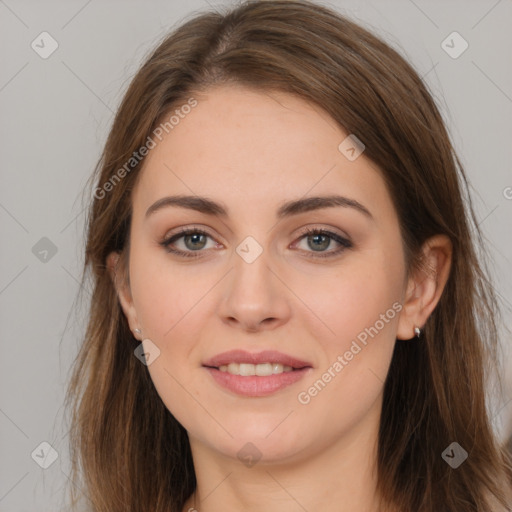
(254, 444)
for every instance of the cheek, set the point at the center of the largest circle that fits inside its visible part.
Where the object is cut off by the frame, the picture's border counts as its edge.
(169, 307)
(166, 297)
(354, 299)
(360, 307)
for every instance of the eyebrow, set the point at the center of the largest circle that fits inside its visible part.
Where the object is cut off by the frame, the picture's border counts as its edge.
(210, 207)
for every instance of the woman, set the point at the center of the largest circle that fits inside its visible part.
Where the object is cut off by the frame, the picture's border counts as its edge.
(288, 311)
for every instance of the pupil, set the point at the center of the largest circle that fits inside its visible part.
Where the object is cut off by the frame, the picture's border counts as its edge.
(324, 245)
(195, 240)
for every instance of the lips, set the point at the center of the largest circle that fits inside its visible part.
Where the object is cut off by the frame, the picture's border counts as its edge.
(266, 356)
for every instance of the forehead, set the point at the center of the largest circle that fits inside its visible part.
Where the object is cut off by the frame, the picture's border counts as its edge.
(254, 148)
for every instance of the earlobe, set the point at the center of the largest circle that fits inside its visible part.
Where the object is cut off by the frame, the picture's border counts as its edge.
(425, 286)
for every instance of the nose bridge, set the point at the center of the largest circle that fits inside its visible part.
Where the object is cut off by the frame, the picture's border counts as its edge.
(254, 294)
(251, 275)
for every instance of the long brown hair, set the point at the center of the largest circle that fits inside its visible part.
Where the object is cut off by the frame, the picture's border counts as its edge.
(132, 453)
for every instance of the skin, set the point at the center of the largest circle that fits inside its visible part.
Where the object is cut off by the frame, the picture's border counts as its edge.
(252, 151)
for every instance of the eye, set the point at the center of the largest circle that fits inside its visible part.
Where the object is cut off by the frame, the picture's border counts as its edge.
(321, 239)
(194, 240)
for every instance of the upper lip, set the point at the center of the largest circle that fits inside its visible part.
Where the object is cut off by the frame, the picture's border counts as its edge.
(266, 356)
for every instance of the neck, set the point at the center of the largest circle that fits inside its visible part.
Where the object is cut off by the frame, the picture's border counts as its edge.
(342, 477)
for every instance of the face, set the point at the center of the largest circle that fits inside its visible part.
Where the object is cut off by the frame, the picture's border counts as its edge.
(316, 285)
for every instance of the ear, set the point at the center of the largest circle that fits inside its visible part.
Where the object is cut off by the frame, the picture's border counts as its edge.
(118, 273)
(425, 286)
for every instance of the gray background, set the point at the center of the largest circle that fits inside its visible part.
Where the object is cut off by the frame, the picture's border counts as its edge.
(55, 114)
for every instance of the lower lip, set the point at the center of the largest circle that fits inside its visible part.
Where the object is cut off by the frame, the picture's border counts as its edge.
(255, 385)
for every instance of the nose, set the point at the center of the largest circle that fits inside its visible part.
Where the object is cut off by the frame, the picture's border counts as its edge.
(255, 297)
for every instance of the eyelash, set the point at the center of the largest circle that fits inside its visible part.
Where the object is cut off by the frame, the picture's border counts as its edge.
(345, 244)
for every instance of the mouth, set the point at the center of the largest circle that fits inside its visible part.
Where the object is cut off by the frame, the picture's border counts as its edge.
(261, 370)
(256, 374)
(267, 362)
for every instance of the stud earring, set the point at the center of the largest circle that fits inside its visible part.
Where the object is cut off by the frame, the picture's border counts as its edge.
(137, 331)
(417, 332)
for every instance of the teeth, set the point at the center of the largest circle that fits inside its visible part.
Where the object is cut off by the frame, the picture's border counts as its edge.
(262, 370)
